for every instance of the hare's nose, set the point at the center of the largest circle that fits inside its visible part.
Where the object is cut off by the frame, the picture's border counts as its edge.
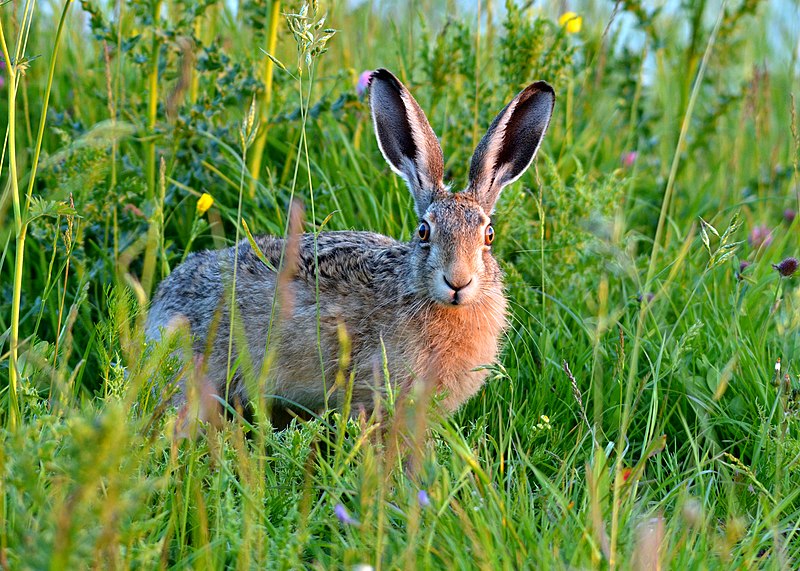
(456, 288)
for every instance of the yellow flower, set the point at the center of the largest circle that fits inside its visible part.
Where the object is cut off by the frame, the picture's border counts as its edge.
(205, 202)
(572, 22)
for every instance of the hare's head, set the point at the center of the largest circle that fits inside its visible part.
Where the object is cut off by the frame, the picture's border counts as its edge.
(451, 259)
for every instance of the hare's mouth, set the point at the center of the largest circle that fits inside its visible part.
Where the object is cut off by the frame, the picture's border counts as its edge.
(449, 292)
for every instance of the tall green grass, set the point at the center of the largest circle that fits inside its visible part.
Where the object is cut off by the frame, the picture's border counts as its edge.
(636, 415)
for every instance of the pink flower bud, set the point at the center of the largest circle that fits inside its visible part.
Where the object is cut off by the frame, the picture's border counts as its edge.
(760, 237)
(629, 158)
(363, 82)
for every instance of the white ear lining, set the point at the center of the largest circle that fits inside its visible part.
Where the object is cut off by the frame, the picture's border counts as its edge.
(530, 162)
(408, 144)
(496, 143)
(514, 134)
(380, 143)
(418, 125)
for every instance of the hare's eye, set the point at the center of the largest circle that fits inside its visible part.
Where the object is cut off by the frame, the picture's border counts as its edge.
(488, 235)
(424, 231)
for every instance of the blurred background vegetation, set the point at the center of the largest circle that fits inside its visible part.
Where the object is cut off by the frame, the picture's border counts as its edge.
(640, 251)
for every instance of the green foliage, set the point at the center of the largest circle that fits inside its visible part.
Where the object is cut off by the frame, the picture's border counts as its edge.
(551, 465)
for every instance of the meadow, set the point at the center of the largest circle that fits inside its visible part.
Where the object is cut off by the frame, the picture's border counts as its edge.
(645, 411)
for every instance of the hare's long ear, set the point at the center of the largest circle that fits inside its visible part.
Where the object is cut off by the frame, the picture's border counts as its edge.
(406, 139)
(508, 147)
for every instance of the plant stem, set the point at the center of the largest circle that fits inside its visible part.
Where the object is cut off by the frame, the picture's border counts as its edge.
(20, 224)
(261, 140)
(13, 406)
(45, 104)
(152, 109)
(634, 369)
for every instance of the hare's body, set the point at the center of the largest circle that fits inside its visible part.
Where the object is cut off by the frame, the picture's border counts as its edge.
(363, 277)
(430, 310)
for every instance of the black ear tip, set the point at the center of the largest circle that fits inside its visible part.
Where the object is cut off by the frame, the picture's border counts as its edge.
(383, 74)
(537, 88)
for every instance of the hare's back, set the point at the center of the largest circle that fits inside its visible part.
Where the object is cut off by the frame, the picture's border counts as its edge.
(345, 262)
(191, 292)
(345, 257)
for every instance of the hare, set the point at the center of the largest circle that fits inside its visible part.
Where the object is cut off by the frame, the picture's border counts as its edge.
(431, 310)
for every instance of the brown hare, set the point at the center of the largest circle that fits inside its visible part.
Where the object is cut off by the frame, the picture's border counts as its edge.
(431, 310)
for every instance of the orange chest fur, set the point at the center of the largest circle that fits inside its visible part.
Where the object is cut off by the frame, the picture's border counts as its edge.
(456, 340)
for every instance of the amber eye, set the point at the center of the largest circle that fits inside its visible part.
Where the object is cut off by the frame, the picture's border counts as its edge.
(488, 235)
(424, 231)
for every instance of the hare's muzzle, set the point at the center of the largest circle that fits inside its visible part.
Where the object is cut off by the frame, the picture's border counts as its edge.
(455, 289)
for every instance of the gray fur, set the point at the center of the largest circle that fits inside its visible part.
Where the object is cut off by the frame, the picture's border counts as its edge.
(387, 295)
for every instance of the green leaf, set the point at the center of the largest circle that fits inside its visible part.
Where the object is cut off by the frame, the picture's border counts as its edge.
(41, 208)
(259, 254)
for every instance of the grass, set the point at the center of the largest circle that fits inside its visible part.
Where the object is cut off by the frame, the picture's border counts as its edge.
(637, 416)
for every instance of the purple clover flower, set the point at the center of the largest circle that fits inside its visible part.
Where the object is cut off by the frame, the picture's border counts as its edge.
(343, 516)
(760, 236)
(363, 82)
(787, 267)
(423, 499)
(789, 215)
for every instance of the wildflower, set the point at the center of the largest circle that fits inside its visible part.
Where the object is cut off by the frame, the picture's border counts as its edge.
(423, 499)
(363, 82)
(760, 237)
(647, 298)
(743, 265)
(789, 215)
(2, 77)
(787, 267)
(544, 424)
(133, 210)
(205, 202)
(343, 516)
(629, 158)
(571, 21)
